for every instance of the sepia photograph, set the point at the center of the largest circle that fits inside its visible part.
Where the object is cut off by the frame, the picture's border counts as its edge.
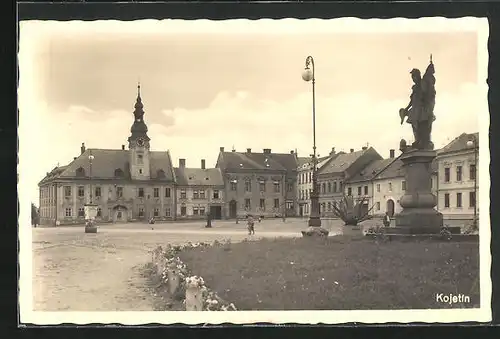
(237, 171)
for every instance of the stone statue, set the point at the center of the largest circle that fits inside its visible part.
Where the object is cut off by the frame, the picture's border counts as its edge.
(420, 110)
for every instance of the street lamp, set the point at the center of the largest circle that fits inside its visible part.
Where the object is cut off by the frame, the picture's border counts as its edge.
(473, 142)
(91, 209)
(314, 217)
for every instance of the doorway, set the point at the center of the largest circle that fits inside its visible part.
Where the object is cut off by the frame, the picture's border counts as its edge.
(216, 212)
(232, 209)
(390, 208)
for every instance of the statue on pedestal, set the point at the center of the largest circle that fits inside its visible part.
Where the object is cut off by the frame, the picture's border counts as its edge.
(420, 110)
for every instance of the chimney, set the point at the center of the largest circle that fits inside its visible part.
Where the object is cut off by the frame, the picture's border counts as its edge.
(123, 147)
(182, 163)
(267, 151)
(82, 149)
(391, 153)
(233, 150)
(221, 149)
(292, 152)
(249, 150)
(364, 148)
(202, 163)
(332, 152)
(74, 158)
(352, 150)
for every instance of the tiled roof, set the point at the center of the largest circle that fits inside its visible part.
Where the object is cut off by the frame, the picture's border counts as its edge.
(106, 161)
(341, 162)
(199, 177)
(303, 161)
(395, 169)
(257, 161)
(370, 171)
(459, 143)
(308, 161)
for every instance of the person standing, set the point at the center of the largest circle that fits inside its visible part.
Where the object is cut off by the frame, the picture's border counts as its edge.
(387, 220)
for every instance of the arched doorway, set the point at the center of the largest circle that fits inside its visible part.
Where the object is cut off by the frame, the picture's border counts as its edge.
(120, 213)
(232, 209)
(390, 207)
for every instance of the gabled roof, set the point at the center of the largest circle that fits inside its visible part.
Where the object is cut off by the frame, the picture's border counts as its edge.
(307, 162)
(341, 162)
(257, 161)
(370, 171)
(395, 169)
(459, 143)
(106, 161)
(199, 177)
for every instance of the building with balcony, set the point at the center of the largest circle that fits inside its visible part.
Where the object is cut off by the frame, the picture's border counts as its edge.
(126, 184)
(200, 191)
(458, 182)
(260, 184)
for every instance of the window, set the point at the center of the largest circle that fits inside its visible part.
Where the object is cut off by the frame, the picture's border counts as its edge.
(472, 171)
(307, 195)
(459, 173)
(329, 187)
(195, 194)
(459, 199)
(140, 170)
(262, 204)
(80, 172)
(329, 206)
(377, 206)
(195, 211)
(447, 174)
(97, 191)
(276, 203)
(248, 186)
(349, 191)
(68, 212)
(359, 190)
(335, 186)
(119, 192)
(472, 199)
(99, 212)
(341, 184)
(167, 192)
(276, 187)
(183, 194)
(233, 185)
(289, 187)
(67, 191)
(247, 204)
(119, 173)
(447, 200)
(390, 187)
(323, 188)
(81, 191)
(310, 176)
(262, 186)
(202, 210)
(202, 194)
(183, 211)
(81, 212)
(289, 205)
(140, 193)
(378, 188)
(156, 212)
(403, 185)
(140, 159)
(432, 183)
(216, 194)
(167, 212)
(366, 190)
(156, 192)
(160, 174)
(141, 212)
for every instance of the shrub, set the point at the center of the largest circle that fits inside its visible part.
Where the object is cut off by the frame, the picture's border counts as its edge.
(350, 211)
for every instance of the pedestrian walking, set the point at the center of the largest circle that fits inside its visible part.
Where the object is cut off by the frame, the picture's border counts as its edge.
(250, 225)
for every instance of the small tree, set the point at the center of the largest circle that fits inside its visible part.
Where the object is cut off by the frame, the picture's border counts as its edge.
(35, 217)
(350, 211)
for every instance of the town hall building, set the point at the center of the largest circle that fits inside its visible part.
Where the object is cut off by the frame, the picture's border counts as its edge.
(126, 184)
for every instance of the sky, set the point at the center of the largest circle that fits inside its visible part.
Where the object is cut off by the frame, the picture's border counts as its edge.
(208, 85)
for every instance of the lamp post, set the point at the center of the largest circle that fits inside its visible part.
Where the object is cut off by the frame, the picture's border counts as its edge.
(91, 208)
(474, 143)
(314, 217)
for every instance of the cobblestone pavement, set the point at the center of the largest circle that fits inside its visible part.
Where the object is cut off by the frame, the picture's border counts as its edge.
(76, 271)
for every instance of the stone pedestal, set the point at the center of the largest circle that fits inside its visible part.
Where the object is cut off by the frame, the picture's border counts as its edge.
(418, 215)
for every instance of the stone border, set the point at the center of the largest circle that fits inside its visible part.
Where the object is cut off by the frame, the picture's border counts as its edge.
(193, 292)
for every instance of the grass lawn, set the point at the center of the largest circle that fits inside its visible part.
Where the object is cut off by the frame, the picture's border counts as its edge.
(338, 273)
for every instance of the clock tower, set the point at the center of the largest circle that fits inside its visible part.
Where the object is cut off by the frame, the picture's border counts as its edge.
(138, 143)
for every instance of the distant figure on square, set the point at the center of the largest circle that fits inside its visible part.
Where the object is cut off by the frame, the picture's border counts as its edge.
(250, 225)
(387, 219)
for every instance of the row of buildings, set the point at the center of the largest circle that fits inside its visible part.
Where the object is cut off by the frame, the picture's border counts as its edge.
(136, 183)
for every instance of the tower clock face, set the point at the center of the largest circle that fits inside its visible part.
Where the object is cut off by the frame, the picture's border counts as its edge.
(140, 142)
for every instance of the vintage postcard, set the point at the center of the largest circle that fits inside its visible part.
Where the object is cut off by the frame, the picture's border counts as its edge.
(281, 171)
